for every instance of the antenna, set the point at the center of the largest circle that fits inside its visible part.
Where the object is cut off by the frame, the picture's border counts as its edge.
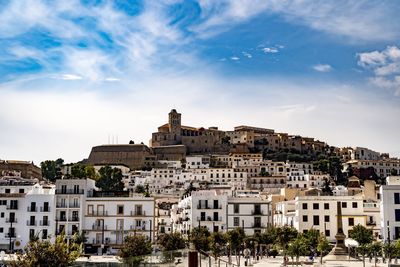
(108, 138)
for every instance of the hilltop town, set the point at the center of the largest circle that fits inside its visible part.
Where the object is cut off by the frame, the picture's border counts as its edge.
(252, 178)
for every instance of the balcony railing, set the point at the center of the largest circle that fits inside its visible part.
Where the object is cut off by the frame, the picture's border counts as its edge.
(69, 191)
(209, 219)
(74, 205)
(61, 219)
(138, 228)
(257, 225)
(99, 227)
(138, 213)
(202, 207)
(11, 220)
(257, 212)
(45, 223)
(13, 235)
(371, 223)
(32, 209)
(43, 209)
(12, 207)
(73, 219)
(61, 205)
(98, 213)
(31, 223)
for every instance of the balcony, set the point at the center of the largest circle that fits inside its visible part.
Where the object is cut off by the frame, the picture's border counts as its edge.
(209, 219)
(257, 225)
(73, 219)
(138, 228)
(138, 213)
(11, 220)
(61, 205)
(74, 205)
(32, 209)
(12, 207)
(96, 227)
(61, 219)
(45, 223)
(12, 235)
(371, 223)
(257, 212)
(99, 213)
(31, 223)
(69, 192)
(44, 209)
(162, 223)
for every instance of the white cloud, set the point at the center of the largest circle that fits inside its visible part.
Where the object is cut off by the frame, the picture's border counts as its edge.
(354, 20)
(246, 54)
(385, 66)
(270, 50)
(70, 77)
(235, 58)
(323, 68)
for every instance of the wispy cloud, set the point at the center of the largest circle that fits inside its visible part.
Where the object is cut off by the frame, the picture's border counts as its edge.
(235, 58)
(70, 77)
(322, 67)
(385, 66)
(272, 50)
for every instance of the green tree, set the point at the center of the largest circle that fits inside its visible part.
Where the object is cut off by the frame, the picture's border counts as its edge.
(91, 173)
(361, 234)
(312, 237)
(199, 237)
(172, 241)
(363, 250)
(110, 179)
(217, 243)
(78, 171)
(235, 238)
(284, 235)
(45, 253)
(323, 246)
(389, 250)
(298, 247)
(140, 189)
(51, 169)
(375, 249)
(135, 247)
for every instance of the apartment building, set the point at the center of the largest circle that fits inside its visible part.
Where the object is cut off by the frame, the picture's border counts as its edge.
(163, 220)
(70, 198)
(390, 208)
(111, 216)
(227, 176)
(26, 210)
(248, 210)
(320, 213)
(197, 162)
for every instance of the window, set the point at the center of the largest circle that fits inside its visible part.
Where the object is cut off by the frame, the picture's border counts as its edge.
(235, 208)
(326, 206)
(344, 204)
(315, 220)
(1, 229)
(90, 209)
(139, 210)
(326, 218)
(44, 234)
(236, 221)
(354, 205)
(21, 190)
(316, 206)
(8, 190)
(31, 233)
(396, 198)
(120, 209)
(397, 215)
(305, 218)
(2, 215)
(304, 206)
(327, 232)
(351, 221)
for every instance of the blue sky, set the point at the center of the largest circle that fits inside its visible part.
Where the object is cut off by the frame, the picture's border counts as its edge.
(73, 73)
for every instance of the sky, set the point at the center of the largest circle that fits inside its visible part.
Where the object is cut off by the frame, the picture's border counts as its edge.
(76, 74)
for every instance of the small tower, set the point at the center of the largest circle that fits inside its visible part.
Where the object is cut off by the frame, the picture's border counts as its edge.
(174, 121)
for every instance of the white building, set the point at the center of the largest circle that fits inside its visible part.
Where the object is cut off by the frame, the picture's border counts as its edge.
(390, 208)
(250, 211)
(26, 210)
(70, 200)
(111, 216)
(197, 162)
(163, 215)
